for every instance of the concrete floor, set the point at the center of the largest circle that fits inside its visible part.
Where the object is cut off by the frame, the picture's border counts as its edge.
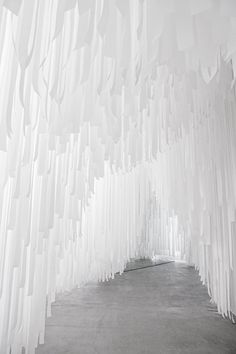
(156, 310)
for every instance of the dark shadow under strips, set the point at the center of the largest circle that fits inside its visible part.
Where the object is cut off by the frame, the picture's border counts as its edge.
(148, 266)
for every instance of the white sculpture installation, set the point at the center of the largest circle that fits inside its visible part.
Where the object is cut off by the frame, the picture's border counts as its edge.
(117, 139)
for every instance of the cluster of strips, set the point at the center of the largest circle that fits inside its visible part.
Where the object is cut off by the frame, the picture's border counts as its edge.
(117, 140)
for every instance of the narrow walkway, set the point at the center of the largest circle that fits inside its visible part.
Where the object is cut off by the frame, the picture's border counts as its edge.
(155, 310)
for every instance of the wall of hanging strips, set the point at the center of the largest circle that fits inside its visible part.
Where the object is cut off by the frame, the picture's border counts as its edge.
(117, 140)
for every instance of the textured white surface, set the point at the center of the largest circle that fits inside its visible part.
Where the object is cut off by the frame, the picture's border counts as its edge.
(117, 139)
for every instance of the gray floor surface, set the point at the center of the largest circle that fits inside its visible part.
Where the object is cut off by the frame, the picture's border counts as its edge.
(155, 310)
